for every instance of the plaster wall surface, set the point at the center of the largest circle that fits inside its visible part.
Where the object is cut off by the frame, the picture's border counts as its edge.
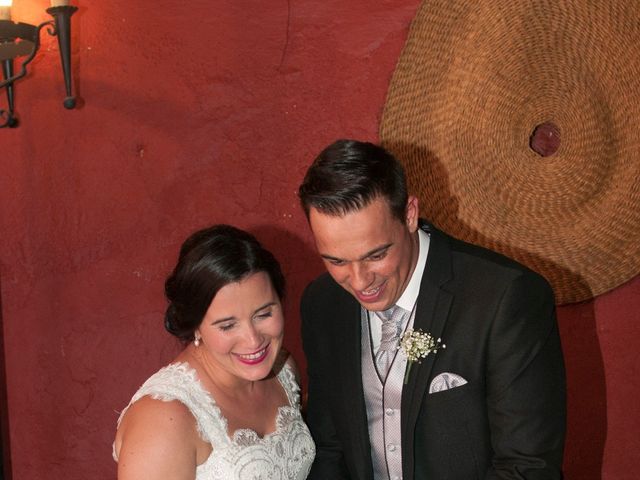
(194, 114)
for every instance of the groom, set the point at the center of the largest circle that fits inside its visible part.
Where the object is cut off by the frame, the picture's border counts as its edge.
(487, 402)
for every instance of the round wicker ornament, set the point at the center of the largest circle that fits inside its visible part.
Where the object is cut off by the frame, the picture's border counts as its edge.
(517, 123)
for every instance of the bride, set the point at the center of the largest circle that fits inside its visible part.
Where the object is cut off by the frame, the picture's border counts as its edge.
(228, 407)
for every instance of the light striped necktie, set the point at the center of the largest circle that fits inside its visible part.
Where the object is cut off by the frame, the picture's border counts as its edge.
(392, 320)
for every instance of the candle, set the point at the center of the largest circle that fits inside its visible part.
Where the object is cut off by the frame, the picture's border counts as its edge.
(5, 9)
(59, 3)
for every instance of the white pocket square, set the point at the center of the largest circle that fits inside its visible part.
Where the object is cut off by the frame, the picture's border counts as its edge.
(445, 381)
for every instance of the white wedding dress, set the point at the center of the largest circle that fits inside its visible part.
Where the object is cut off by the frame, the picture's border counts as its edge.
(285, 454)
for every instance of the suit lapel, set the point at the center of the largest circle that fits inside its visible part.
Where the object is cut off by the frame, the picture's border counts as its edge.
(350, 328)
(432, 310)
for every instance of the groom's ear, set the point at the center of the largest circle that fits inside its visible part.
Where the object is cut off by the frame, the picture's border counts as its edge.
(412, 213)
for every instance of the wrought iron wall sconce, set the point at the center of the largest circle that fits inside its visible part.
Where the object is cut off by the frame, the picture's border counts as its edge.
(23, 40)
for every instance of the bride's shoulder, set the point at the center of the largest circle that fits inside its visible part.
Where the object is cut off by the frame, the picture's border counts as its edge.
(149, 411)
(151, 426)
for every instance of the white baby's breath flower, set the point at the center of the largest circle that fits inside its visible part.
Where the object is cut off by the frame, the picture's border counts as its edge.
(416, 345)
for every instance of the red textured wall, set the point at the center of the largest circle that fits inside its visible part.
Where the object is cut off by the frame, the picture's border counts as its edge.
(198, 113)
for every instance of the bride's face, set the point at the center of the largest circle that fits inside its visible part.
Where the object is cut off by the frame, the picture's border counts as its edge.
(243, 328)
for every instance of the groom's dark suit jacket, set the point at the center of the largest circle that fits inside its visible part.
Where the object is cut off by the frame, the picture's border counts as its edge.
(497, 319)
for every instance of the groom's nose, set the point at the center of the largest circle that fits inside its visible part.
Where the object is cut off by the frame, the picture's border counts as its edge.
(360, 277)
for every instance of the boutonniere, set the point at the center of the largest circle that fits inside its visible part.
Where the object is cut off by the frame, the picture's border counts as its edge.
(416, 345)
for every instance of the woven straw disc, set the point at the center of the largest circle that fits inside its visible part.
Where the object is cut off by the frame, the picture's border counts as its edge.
(473, 82)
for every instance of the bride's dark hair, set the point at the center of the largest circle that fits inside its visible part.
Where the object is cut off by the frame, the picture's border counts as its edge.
(210, 259)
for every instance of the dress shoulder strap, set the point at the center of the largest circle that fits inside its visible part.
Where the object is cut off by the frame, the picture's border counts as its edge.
(178, 381)
(290, 385)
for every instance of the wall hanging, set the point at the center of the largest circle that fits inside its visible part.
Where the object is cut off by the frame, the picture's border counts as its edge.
(517, 124)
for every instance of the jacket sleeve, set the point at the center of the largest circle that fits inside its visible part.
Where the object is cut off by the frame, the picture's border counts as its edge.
(526, 384)
(329, 461)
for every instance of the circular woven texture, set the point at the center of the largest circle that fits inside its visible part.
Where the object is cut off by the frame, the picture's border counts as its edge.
(474, 82)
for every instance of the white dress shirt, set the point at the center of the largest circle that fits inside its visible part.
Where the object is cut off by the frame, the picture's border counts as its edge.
(410, 295)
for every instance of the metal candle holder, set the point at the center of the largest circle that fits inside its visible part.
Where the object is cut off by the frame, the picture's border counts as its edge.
(22, 39)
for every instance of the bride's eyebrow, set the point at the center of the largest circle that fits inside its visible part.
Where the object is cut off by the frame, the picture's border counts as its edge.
(233, 317)
(221, 320)
(266, 305)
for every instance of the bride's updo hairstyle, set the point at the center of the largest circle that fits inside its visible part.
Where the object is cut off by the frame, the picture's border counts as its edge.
(210, 259)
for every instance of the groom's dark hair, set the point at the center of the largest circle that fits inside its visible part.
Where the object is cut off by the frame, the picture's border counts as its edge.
(348, 175)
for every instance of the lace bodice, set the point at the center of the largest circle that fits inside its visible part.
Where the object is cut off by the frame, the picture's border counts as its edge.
(285, 454)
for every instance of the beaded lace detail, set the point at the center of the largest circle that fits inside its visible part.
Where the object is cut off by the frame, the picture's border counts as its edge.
(284, 454)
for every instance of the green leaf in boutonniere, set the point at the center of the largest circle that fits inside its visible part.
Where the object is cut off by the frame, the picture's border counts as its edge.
(416, 345)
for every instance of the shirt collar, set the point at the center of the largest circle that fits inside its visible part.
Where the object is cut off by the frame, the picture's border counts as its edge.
(410, 295)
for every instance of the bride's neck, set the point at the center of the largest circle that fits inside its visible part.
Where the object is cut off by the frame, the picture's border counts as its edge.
(220, 378)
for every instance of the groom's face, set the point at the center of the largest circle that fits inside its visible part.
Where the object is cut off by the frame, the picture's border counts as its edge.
(369, 252)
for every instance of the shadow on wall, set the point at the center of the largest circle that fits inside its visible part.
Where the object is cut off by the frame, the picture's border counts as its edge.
(586, 389)
(587, 402)
(5, 450)
(300, 264)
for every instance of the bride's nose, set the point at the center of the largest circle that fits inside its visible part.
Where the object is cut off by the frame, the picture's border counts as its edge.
(253, 337)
